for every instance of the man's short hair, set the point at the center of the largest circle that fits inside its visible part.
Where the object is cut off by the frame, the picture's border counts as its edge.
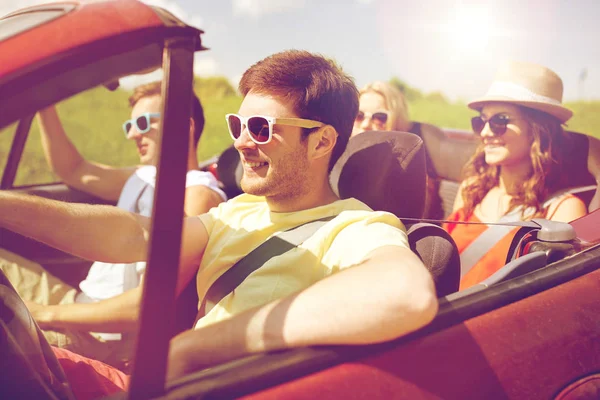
(317, 87)
(154, 89)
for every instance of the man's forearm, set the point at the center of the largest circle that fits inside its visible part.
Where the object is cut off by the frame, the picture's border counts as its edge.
(62, 156)
(380, 300)
(98, 233)
(65, 160)
(117, 314)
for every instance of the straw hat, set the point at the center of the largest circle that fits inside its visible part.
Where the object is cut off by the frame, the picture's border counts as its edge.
(528, 85)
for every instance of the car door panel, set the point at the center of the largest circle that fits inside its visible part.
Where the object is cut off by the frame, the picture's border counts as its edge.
(526, 350)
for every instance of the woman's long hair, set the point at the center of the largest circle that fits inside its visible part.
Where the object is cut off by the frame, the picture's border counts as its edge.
(549, 145)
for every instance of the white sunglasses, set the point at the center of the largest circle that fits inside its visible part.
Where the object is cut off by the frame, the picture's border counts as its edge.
(260, 127)
(378, 117)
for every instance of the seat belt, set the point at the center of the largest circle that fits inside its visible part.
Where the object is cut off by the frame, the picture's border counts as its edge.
(272, 247)
(486, 241)
(471, 255)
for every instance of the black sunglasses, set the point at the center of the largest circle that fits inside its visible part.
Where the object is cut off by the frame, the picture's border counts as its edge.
(498, 124)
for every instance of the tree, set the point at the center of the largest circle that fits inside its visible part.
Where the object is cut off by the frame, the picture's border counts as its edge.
(214, 86)
(438, 97)
(409, 92)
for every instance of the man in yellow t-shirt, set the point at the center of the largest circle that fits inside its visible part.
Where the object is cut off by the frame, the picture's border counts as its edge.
(354, 281)
(340, 243)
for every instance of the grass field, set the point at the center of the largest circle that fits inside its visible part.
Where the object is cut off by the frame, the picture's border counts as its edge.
(93, 121)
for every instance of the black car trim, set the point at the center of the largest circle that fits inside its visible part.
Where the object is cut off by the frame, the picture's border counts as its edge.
(16, 151)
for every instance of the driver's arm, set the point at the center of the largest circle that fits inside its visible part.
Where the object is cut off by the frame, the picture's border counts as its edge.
(117, 314)
(387, 295)
(93, 232)
(63, 158)
(120, 313)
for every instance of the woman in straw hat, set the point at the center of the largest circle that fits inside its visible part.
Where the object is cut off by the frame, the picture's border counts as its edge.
(383, 107)
(515, 170)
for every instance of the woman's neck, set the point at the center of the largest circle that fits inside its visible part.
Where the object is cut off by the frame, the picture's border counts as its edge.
(512, 177)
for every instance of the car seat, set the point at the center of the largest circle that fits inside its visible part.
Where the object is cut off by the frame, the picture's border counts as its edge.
(229, 171)
(386, 171)
(578, 180)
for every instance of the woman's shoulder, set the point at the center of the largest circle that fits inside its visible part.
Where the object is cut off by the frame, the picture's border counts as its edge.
(565, 208)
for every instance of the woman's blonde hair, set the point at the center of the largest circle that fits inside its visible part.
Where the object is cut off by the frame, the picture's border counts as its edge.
(548, 149)
(395, 103)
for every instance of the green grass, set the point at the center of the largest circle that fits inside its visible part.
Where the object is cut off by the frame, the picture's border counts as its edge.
(93, 121)
(586, 118)
(444, 115)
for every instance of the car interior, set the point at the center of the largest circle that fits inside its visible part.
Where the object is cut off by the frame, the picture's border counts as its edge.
(533, 264)
(444, 147)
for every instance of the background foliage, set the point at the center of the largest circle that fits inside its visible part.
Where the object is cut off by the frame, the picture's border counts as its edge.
(93, 121)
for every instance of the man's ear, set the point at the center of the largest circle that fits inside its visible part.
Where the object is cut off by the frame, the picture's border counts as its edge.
(322, 142)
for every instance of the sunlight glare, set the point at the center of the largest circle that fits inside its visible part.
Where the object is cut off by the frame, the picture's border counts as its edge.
(470, 29)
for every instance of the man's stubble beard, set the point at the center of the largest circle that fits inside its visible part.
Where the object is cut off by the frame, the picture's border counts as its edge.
(288, 179)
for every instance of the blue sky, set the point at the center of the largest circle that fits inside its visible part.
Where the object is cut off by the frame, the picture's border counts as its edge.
(435, 45)
(451, 46)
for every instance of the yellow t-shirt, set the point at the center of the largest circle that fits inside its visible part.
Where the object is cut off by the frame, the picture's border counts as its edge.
(240, 225)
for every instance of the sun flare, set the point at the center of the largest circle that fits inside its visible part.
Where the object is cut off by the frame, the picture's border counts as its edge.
(470, 28)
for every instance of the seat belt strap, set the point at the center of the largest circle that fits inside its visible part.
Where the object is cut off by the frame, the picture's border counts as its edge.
(486, 241)
(272, 247)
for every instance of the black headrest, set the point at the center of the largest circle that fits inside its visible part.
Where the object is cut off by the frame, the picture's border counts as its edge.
(385, 170)
(229, 170)
(575, 162)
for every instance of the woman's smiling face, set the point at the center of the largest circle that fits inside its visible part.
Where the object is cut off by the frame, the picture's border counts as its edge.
(515, 144)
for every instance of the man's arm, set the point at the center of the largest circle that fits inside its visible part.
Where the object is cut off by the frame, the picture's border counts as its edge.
(117, 314)
(388, 295)
(199, 199)
(63, 158)
(93, 232)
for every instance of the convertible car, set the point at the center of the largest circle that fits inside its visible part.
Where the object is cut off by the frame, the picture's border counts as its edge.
(531, 331)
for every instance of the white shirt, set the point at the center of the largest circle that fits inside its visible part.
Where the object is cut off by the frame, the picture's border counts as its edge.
(106, 280)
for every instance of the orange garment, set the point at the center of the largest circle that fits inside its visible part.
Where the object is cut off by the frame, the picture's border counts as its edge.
(464, 235)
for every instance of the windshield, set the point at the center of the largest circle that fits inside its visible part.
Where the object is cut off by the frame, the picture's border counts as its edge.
(14, 24)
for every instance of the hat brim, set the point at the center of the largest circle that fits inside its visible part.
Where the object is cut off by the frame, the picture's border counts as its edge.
(563, 114)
